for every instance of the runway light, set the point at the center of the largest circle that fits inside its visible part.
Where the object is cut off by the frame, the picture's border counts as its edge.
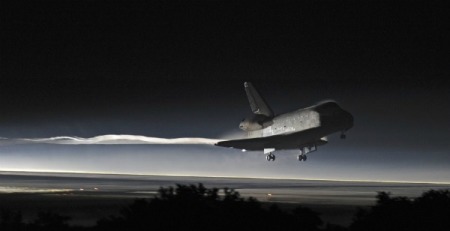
(244, 150)
(81, 189)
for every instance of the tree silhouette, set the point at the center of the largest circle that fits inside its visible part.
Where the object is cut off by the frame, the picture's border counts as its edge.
(195, 207)
(11, 220)
(49, 221)
(431, 211)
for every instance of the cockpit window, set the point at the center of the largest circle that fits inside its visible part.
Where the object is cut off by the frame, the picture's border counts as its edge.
(331, 105)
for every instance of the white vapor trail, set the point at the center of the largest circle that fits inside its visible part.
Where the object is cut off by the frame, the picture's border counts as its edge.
(119, 139)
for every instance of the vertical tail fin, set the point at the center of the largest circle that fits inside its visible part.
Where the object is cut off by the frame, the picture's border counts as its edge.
(257, 103)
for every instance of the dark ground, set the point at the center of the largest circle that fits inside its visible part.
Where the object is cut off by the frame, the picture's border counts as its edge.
(88, 197)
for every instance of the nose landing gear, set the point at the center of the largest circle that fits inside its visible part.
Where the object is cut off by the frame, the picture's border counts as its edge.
(343, 136)
(301, 157)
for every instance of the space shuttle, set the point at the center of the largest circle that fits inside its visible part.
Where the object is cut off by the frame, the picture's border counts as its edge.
(304, 129)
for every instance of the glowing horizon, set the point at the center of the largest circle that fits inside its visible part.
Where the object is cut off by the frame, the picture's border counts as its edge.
(219, 176)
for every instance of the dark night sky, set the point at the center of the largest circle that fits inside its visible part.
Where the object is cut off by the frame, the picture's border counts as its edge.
(176, 68)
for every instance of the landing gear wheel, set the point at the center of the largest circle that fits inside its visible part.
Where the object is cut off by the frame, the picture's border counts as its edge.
(270, 157)
(301, 157)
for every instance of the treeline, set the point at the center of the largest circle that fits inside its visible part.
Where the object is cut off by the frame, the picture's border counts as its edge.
(194, 207)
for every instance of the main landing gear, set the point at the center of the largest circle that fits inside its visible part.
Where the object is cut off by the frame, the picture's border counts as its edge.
(304, 151)
(270, 157)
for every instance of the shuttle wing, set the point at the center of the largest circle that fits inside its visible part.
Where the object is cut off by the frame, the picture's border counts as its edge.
(282, 141)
